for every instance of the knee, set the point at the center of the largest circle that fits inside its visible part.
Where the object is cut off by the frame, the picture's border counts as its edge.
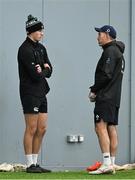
(99, 129)
(31, 130)
(41, 130)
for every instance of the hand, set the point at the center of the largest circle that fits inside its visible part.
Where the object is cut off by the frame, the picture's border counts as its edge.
(92, 97)
(47, 65)
(38, 68)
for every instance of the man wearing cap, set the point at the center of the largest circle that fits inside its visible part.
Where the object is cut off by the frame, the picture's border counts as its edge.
(34, 67)
(106, 93)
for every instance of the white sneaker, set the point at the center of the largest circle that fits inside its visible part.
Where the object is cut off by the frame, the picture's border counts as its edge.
(104, 169)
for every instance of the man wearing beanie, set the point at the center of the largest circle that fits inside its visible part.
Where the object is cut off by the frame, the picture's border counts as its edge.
(34, 67)
(106, 93)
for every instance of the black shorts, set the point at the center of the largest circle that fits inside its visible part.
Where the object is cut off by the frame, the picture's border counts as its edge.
(107, 112)
(34, 105)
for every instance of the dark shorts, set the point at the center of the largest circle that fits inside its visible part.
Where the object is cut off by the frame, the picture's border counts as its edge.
(34, 105)
(107, 112)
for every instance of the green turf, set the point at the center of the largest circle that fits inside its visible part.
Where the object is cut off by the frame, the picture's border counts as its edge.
(130, 174)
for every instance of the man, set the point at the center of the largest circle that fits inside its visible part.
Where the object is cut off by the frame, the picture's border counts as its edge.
(106, 92)
(34, 67)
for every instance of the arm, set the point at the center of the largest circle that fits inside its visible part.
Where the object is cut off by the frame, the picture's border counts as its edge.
(28, 61)
(47, 64)
(100, 82)
(103, 78)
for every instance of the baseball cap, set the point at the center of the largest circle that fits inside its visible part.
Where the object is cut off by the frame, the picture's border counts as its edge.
(108, 29)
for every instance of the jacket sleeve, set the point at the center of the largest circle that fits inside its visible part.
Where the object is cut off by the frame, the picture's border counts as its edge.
(106, 74)
(28, 60)
(48, 71)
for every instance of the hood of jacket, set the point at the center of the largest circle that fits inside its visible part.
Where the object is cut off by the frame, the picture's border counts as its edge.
(121, 46)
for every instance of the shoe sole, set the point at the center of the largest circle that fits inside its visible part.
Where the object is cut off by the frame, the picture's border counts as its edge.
(102, 172)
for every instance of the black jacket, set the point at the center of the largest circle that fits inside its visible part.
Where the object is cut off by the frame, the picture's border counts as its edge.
(109, 73)
(31, 53)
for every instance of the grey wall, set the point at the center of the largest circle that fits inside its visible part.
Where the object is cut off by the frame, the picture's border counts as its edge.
(72, 47)
(12, 33)
(121, 20)
(132, 75)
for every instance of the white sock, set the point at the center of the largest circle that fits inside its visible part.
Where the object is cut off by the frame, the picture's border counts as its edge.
(35, 158)
(106, 158)
(29, 160)
(113, 160)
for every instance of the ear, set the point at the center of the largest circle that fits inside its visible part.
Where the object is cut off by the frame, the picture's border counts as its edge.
(108, 36)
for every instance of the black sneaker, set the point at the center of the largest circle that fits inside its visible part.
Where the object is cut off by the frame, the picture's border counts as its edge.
(33, 169)
(43, 170)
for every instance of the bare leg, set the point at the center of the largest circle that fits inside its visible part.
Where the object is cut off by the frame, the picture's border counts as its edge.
(31, 126)
(112, 131)
(41, 129)
(103, 137)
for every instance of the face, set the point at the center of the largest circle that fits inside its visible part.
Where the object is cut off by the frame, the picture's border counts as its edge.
(37, 36)
(103, 38)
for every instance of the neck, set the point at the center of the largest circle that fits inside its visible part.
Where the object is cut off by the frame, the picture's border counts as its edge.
(31, 38)
(108, 41)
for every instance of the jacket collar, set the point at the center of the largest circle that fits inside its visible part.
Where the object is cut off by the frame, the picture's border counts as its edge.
(32, 42)
(109, 44)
